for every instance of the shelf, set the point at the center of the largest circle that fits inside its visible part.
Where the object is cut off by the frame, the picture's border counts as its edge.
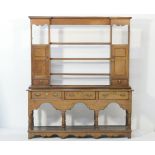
(79, 43)
(89, 74)
(81, 128)
(122, 88)
(81, 131)
(81, 59)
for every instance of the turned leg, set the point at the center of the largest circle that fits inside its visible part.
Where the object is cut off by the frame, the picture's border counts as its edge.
(129, 113)
(31, 123)
(63, 118)
(96, 112)
(128, 119)
(30, 135)
(128, 122)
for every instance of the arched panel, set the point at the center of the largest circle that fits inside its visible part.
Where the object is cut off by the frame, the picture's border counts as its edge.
(80, 115)
(113, 114)
(47, 115)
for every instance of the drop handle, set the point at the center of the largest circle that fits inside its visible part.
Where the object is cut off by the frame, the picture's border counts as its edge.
(122, 95)
(41, 81)
(88, 95)
(37, 94)
(46, 94)
(105, 95)
(55, 95)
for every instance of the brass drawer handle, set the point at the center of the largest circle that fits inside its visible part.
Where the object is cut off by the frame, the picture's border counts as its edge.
(55, 94)
(41, 81)
(71, 95)
(46, 94)
(122, 95)
(37, 94)
(105, 95)
(88, 95)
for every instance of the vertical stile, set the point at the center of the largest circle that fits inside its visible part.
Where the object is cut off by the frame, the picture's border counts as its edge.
(31, 46)
(110, 53)
(49, 40)
(128, 48)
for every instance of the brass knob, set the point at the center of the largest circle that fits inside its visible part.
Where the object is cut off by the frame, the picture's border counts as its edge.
(119, 81)
(41, 81)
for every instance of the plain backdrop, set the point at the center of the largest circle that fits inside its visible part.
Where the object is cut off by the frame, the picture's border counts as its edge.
(15, 64)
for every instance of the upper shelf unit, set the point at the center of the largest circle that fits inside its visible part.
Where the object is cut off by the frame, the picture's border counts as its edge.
(62, 43)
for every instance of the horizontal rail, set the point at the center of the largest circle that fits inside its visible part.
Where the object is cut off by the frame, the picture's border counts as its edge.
(91, 74)
(79, 43)
(80, 59)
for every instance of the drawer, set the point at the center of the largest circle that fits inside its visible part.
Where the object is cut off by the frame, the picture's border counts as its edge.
(80, 95)
(40, 82)
(113, 95)
(120, 82)
(46, 95)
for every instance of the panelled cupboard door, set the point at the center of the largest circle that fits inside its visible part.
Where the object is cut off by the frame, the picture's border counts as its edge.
(40, 65)
(120, 62)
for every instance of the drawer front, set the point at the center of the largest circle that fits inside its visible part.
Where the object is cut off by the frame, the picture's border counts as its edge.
(113, 95)
(80, 95)
(120, 82)
(47, 95)
(40, 82)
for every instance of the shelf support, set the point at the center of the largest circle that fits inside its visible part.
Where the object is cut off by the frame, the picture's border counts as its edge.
(128, 119)
(96, 113)
(63, 113)
(31, 122)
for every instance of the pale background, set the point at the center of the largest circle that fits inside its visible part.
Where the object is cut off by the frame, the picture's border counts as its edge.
(15, 76)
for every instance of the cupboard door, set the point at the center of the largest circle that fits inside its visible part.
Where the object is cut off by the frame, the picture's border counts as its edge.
(40, 65)
(120, 62)
(120, 69)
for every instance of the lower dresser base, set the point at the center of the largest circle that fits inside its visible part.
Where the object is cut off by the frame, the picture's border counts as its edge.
(95, 100)
(80, 131)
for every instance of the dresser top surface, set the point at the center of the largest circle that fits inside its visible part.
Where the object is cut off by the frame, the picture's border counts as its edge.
(78, 87)
(76, 17)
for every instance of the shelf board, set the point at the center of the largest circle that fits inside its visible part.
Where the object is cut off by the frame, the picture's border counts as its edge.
(81, 131)
(80, 59)
(79, 43)
(63, 87)
(107, 128)
(81, 74)
(78, 17)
